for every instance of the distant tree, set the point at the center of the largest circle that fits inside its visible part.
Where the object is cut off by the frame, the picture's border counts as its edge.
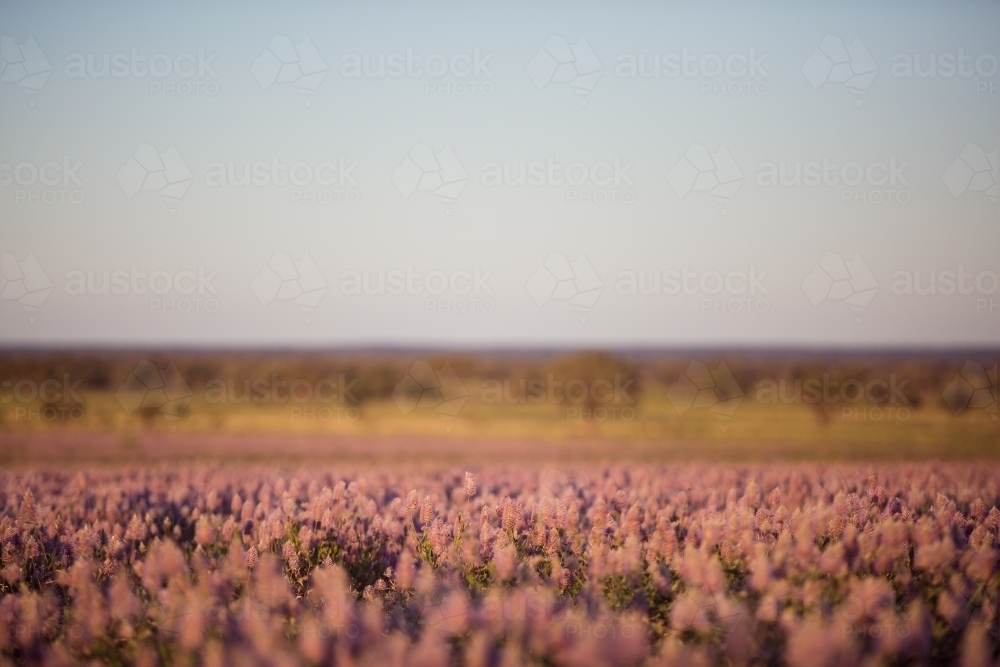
(610, 380)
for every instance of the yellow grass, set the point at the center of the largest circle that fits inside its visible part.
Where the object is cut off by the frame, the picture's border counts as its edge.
(497, 432)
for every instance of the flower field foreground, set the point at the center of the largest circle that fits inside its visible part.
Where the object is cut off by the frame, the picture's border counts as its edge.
(782, 564)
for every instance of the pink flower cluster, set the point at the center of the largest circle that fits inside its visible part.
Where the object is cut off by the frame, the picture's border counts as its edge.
(628, 564)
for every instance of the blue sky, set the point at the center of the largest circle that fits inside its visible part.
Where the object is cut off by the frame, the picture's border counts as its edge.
(277, 261)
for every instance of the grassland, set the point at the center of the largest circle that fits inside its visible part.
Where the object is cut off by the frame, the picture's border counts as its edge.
(648, 427)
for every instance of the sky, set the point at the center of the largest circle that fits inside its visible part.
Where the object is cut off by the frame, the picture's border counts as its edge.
(350, 174)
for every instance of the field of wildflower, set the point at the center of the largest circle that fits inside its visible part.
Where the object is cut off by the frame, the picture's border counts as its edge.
(614, 564)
